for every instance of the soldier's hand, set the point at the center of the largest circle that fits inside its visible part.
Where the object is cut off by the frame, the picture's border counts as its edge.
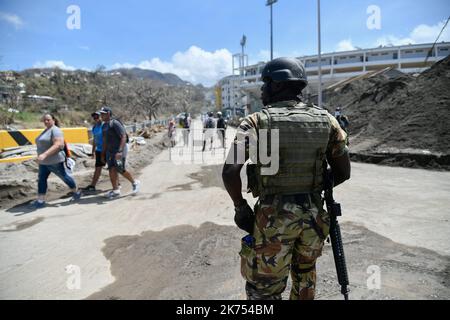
(244, 217)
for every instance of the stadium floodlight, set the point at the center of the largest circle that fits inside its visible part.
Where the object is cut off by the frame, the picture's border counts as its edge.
(270, 3)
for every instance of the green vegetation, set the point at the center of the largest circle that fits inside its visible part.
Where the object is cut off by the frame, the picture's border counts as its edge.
(74, 95)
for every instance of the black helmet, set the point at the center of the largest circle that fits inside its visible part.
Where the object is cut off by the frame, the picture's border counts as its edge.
(284, 69)
(210, 114)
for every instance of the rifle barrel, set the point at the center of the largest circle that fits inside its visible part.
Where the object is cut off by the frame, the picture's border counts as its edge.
(338, 247)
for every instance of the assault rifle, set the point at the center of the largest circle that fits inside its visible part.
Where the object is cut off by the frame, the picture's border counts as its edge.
(334, 209)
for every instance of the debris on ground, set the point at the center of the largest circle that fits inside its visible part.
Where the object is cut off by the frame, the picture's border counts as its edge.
(78, 150)
(147, 133)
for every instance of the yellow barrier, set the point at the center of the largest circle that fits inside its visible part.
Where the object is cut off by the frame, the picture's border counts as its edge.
(18, 138)
(16, 159)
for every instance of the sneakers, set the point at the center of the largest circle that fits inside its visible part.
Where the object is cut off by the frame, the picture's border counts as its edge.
(113, 194)
(136, 185)
(37, 204)
(76, 196)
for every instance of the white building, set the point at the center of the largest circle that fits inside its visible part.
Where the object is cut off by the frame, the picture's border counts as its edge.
(231, 96)
(340, 66)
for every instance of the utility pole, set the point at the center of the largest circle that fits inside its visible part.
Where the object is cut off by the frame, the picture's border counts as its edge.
(270, 3)
(243, 42)
(319, 92)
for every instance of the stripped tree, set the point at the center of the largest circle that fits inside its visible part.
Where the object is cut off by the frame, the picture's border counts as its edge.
(149, 98)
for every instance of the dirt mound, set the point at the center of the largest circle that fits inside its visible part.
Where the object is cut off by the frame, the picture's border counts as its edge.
(185, 262)
(394, 110)
(181, 262)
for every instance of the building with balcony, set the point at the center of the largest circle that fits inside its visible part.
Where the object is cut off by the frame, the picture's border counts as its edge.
(341, 66)
(229, 95)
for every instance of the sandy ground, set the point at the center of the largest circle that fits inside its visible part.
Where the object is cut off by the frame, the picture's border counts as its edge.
(176, 238)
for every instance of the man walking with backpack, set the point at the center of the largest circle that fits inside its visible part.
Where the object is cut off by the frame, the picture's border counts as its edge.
(221, 127)
(114, 152)
(208, 132)
(186, 125)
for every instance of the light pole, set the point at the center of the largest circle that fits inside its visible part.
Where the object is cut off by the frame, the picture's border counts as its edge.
(270, 3)
(319, 89)
(243, 42)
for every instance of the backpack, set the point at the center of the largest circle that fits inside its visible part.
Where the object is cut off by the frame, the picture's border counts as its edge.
(186, 123)
(343, 122)
(209, 123)
(221, 123)
(128, 138)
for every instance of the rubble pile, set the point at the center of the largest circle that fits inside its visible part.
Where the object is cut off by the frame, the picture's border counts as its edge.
(78, 150)
(148, 133)
(392, 113)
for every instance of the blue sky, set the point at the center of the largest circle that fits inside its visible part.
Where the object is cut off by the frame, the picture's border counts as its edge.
(196, 38)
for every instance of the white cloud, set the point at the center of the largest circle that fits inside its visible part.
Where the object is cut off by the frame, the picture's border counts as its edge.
(194, 65)
(345, 45)
(123, 65)
(12, 19)
(85, 48)
(426, 33)
(54, 64)
(263, 55)
(421, 34)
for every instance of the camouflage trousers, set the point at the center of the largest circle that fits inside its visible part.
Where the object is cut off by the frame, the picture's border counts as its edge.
(288, 238)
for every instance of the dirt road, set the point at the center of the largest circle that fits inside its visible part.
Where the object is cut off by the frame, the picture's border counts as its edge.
(176, 238)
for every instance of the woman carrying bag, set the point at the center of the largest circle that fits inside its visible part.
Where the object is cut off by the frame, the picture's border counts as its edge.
(52, 159)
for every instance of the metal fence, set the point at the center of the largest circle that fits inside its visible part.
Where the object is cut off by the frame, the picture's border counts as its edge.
(146, 124)
(197, 145)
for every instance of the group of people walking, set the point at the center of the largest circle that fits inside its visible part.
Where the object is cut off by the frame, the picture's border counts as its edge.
(209, 123)
(109, 147)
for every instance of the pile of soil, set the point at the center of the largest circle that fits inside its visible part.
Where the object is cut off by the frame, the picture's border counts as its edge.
(185, 262)
(396, 114)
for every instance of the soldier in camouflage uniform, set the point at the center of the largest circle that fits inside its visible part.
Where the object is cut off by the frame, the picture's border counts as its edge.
(288, 225)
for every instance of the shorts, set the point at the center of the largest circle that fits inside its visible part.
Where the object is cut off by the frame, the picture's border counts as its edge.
(112, 162)
(98, 159)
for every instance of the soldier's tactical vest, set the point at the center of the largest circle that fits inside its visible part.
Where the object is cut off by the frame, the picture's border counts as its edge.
(304, 132)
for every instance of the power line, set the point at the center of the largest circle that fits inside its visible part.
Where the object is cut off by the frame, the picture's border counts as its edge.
(434, 44)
